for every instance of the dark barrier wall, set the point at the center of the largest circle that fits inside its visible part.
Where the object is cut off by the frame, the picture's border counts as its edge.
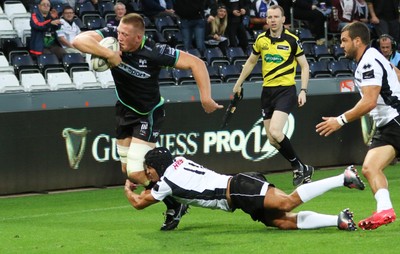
(35, 157)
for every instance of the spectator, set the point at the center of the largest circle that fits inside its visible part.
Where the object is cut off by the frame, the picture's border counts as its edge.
(44, 25)
(307, 10)
(236, 31)
(120, 11)
(191, 14)
(362, 13)
(258, 14)
(346, 13)
(68, 31)
(215, 30)
(154, 8)
(385, 17)
(387, 46)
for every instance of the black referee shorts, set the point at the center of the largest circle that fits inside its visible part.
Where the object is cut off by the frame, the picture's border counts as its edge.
(247, 192)
(282, 98)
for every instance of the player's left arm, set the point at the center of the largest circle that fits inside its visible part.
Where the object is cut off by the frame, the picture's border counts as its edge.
(138, 201)
(305, 76)
(363, 106)
(200, 73)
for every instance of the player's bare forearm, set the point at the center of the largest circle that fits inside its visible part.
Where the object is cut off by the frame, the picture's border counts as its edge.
(141, 201)
(200, 74)
(88, 42)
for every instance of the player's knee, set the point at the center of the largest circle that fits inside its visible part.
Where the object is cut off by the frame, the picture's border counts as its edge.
(135, 159)
(123, 154)
(275, 133)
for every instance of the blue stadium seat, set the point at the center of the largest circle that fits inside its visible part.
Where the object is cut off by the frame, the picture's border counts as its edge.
(74, 62)
(183, 77)
(320, 69)
(93, 22)
(338, 52)
(235, 55)
(214, 73)
(165, 77)
(322, 52)
(23, 63)
(229, 73)
(105, 8)
(214, 56)
(340, 68)
(49, 63)
(155, 36)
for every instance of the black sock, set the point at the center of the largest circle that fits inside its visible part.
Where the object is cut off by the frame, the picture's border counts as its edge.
(288, 152)
(171, 203)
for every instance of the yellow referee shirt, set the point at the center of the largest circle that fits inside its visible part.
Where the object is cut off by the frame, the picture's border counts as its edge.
(278, 57)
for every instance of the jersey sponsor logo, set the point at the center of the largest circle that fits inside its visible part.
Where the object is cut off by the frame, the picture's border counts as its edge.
(368, 74)
(133, 71)
(283, 47)
(270, 58)
(367, 66)
(177, 163)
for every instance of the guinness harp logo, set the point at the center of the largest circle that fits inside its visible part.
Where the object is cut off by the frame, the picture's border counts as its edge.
(75, 141)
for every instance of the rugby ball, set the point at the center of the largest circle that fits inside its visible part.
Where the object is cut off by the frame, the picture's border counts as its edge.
(100, 64)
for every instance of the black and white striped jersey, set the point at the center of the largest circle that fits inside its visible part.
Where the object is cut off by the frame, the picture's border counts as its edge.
(191, 183)
(375, 70)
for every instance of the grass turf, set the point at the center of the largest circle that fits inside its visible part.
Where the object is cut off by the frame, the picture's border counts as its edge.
(102, 221)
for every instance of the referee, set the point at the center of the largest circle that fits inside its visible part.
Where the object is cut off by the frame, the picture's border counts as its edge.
(280, 52)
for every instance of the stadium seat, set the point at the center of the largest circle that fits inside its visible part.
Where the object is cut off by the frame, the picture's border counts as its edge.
(213, 72)
(22, 26)
(15, 9)
(229, 73)
(235, 55)
(352, 66)
(60, 81)
(148, 24)
(305, 35)
(319, 69)
(74, 62)
(85, 80)
(85, 8)
(340, 68)
(165, 23)
(79, 23)
(12, 46)
(256, 73)
(322, 52)
(105, 78)
(166, 77)
(23, 63)
(33, 82)
(308, 49)
(7, 30)
(155, 36)
(214, 56)
(5, 65)
(2, 14)
(93, 22)
(9, 83)
(183, 77)
(174, 38)
(338, 52)
(105, 8)
(49, 63)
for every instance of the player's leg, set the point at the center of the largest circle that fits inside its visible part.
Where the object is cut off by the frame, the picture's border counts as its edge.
(375, 162)
(278, 200)
(309, 220)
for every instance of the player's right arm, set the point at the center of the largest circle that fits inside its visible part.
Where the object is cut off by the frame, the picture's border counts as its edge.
(88, 42)
(138, 201)
(247, 68)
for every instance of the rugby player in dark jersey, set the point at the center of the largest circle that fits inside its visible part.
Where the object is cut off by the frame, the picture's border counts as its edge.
(140, 107)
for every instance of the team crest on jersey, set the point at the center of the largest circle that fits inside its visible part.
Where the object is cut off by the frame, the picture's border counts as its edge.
(366, 66)
(265, 46)
(368, 74)
(142, 63)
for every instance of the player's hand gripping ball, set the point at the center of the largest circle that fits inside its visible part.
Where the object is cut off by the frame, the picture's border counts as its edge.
(100, 64)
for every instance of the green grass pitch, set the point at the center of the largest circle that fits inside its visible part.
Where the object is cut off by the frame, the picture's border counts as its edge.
(102, 221)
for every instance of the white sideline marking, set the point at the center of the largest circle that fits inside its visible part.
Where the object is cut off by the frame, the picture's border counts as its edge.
(62, 213)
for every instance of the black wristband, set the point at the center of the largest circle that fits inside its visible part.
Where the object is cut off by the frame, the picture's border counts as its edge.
(303, 89)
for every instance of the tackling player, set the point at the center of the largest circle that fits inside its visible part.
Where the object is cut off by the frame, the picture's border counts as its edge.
(192, 184)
